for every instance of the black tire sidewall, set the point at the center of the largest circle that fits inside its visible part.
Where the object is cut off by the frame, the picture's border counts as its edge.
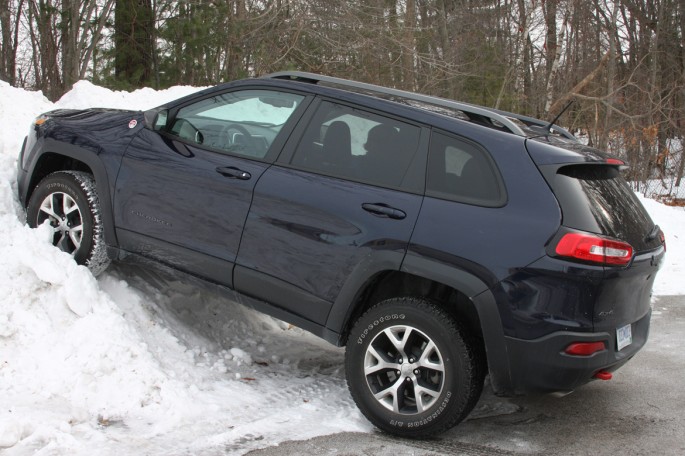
(450, 406)
(62, 182)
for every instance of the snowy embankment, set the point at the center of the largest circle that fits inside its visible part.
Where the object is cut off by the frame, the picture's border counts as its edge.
(124, 365)
(119, 365)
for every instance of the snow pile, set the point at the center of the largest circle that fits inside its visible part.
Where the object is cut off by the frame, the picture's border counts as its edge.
(124, 365)
(669, 280)
(132, 363)
(86, 95)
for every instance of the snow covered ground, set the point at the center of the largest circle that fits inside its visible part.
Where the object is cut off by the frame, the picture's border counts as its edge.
(126, 364)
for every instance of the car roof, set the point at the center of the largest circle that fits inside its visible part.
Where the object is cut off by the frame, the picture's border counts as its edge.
(502, 120)
(426, 109)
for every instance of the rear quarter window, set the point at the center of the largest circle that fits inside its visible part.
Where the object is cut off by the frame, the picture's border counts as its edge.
(459, 170)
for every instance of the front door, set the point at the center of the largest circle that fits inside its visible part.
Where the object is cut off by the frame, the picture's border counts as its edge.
(183, 193)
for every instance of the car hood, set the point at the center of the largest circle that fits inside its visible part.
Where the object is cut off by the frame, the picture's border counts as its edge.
(93, 129)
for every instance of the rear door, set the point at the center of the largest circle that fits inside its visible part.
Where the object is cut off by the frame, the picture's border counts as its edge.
(345, 194)
(183, 192)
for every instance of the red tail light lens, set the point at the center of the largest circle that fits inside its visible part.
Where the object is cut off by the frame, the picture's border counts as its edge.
(585, 348)
(589, 247)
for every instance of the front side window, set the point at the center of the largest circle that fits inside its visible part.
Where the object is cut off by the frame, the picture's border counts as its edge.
(350, 143)
(460, 171)
(243, 122)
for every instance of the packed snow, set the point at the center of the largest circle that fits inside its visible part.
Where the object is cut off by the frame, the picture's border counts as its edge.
(130, 364)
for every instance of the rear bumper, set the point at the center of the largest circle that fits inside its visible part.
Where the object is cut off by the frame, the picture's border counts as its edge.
(540, 365)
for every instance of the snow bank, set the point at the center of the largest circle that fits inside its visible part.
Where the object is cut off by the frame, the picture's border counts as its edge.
(669, 281)
(129, 364)
(87, 95)
(122, 365)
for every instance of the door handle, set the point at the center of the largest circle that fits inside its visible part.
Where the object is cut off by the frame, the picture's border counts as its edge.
(383, 210)
(233, 172)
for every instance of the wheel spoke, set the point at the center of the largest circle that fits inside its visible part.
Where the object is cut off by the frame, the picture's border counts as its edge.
(76, 234)
(68, 205)
(47, 207)
(425, 361)
(375, 362)
(398, 336)
(389, 397)
(419, 394)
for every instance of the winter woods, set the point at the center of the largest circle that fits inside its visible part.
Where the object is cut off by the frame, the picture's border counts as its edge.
(622, 62)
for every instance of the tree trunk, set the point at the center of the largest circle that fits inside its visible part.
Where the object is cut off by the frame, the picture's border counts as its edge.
(133, 32)
(409, 45)
(554, 67)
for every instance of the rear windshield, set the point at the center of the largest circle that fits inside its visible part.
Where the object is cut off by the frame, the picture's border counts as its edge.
(597, 199)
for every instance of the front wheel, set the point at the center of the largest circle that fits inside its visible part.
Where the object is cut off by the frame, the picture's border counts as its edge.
(68, 201)
(412, 369)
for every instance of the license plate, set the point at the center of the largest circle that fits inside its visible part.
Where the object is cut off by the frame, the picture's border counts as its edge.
(624, 337)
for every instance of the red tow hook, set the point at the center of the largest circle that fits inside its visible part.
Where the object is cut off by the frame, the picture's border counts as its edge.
(603, 375)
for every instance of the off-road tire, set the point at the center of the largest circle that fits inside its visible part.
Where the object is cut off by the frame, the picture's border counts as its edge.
(67, 199)
(452, 394)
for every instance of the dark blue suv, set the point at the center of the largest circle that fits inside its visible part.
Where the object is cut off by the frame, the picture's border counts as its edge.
(439, 241)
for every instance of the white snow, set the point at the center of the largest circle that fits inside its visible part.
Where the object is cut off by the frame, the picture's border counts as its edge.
(669, 280)
(124, 365)
(129, 364)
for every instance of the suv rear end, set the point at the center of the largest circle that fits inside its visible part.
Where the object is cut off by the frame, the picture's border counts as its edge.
(599, 269)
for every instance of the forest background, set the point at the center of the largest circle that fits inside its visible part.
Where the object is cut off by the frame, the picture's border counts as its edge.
(622, 62)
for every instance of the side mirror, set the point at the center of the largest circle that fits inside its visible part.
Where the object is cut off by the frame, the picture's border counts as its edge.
(156, 119)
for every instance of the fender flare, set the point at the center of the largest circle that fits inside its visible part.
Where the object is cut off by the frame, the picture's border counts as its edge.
(467, 283)
(362, 274)
(96, 165)
(486, 306)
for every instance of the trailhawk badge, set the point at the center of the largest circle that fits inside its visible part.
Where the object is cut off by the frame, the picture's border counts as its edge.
(133, 123)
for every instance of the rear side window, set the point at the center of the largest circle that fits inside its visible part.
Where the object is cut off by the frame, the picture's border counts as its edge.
(461, 171)
(350, 143)
(597, 199)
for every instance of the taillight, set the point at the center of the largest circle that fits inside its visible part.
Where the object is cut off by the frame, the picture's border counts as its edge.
(589, 247)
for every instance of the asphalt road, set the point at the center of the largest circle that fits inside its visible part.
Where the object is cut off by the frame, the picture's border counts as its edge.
(641, 411)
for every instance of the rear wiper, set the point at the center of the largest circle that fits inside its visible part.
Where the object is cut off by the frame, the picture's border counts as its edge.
(652, 234)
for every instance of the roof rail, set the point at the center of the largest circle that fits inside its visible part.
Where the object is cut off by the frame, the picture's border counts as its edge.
(466, 108)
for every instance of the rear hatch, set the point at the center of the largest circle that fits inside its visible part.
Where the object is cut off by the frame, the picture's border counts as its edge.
(603, 223)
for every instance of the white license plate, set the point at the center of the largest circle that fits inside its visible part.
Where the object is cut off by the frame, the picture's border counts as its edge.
(624, 337)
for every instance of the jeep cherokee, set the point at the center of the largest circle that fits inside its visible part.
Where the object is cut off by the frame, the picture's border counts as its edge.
(439, 241)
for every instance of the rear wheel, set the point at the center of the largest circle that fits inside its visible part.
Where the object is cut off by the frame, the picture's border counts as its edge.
(68, 201)
(412, 369)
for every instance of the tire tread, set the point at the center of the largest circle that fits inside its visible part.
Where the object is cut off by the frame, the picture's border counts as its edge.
(473, 363)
